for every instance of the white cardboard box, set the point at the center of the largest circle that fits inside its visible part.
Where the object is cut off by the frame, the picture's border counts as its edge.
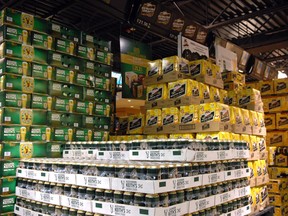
(235, 174)
(127, 210)
(113, 155)
(246, 210)
(157, 186)
(93, 181)
(224, 197)
(25, 193)
(47, 198)
(85, 205)
(41, 175)
(200, 204)
(62, 178)
(26, 212)
(213, 178)
(21, 173)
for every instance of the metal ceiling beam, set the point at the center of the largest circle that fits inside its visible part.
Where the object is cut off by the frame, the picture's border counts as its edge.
(276, 58)
(249, 15)
(268, 47)
(60, 9)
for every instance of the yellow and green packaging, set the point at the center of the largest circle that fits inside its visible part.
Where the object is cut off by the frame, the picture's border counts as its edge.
(56, 119)
(174, 63)
(200, 68)
(14, 99)
(14, 66)
(41, 102)
(154, 68)
(84, 107)
(156, 92)
(85, 135)
(7, 185)
(104, 136)
(65, 90)
(136, 124)
(63, 105)
(25, 117)
(65, 46)
(14, 34)
(63, 134)
(42, 71)
(86, 52)
(24, 84)
(102, 109)
(7, 203)
(41, 40)
(41, 133)
(14, 133)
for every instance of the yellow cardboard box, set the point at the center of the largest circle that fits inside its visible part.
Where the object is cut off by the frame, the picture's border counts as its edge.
(248, 95)
(280, 86)
(275, 103)
(270, 121)
(214, 136)
(278, 199)
(170, 116)
(282, 121)
(200, 68)
(189, 114)
(156, 92)
(154, 68)
(154, 117)
(266, 87)
(214, 112)
(174, 63)
(181, 88)
(276, 138)
(278, 185)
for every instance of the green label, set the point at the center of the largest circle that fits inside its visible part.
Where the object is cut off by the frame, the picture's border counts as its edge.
(24, 52)
(63, 105)
(13, 66)
(38, 133)
(42, 40)
(13, 133)
(40, 101)
(7, 186)
(86, 52)
(24, 117)
(103, 57)
(102, 83)
(83, 135)
(54, 150)
(102, 109)
(14, 34)
(14, 99)
(7, 203)
(84, 107)
(42, 71)
(25, 21)
(89, 94)
(62, 134)
(64, 46)
(63, 75)
(100, 136)
(8, 167)
(24, 84)
(86, 80)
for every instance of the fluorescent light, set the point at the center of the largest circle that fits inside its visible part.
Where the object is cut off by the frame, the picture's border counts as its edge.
(132, 106)
(129, 101)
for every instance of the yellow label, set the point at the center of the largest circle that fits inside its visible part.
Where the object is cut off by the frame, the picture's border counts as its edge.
(204, 92)
(156, 92)
(189, 114)
(223, 96)
(26, 149)
(215, 94)
(154, 68)
(170, 116)
(27, 84)
(27, 21)
(254, 121)
(136, 124)
(280, 86)
(154, 117)
(236, 115)
(26, 117)
(182, 136)
(270, 121)
(246, 117)
(282, 120)
(180, 88)
(170, 64)
(200, 68)
(27, 52)
(254, 144)
(251, 167)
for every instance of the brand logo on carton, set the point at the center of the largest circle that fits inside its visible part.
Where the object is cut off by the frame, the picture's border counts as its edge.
(11, 63)
(56, 117)
(9, 166)
(155, 94)
(55, 148)
(38, 36)
(11, 96)
(59, 132)
(56, 57)
(37, 67)
(8, 201)
(37, 99)
(178, 91)
(12, 30)
(9, 130)
(35, 130)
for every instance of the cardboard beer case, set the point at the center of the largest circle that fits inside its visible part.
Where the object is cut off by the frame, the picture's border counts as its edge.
(14, 66)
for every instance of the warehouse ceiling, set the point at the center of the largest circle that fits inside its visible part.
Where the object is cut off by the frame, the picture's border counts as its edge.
(259, 26)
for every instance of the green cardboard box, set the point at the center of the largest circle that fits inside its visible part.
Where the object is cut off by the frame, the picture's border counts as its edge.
(8, 167)
(89, 94)
(23, 84)
(22, 51)
(65, 90)
(14, 66)
(102, 83)
(76, 63)
(86, 52)
(40, 133)
(14, 34)
(63, 105)
(97, 69)
(65, 61)
(26, 21)
(104, 57)
(55, 149)
(84, 107)
(25, 117)
(100, 136)
(73, 35)
(64, 120)
(103, 96)
(42, 71)
(7, 185)
(83, 134)
(7, 203)
(41, 102)
(102, 110)
(93, 41)
(63, 134)
(97, 122)
(64, 75)
(14, 133)
(41, 40)
(22, 150)
(65, 46)
(86, 80)
(14, 99)
(57, 30)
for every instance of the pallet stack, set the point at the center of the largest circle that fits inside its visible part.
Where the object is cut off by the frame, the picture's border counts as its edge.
(55, 87)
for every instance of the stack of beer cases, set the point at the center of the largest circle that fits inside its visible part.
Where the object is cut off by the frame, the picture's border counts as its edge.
(233, 80)
(52, 90)
(275, 97)
(18, 87)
